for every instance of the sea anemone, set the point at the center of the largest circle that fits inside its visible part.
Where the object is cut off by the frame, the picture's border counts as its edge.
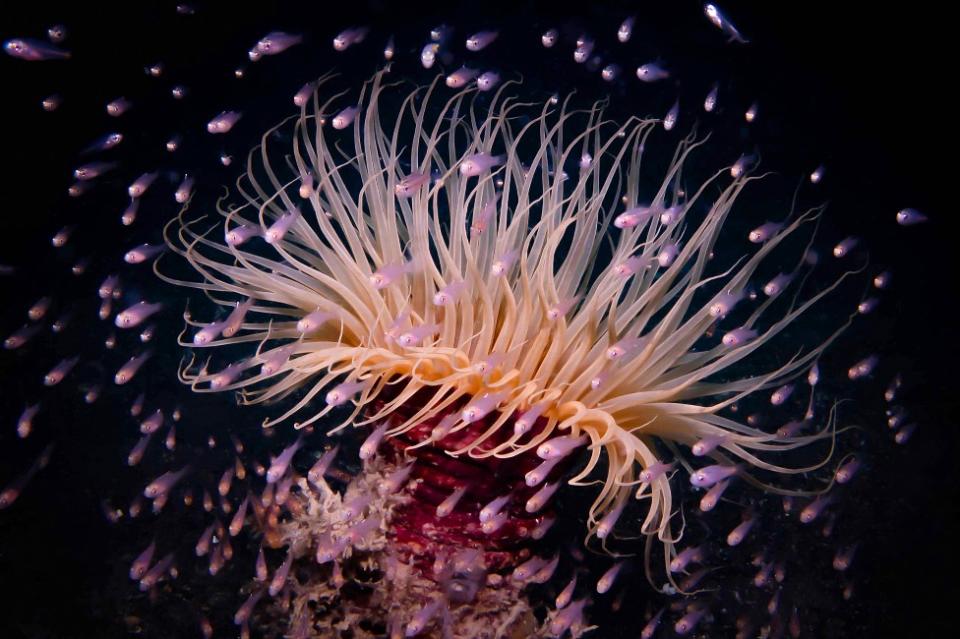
(476, 259)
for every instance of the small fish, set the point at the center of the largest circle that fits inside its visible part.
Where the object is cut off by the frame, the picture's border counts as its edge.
(868, 305)
(652, 72)
(882, 280)
(475, 164)
(280, 576)
(743, 164)
(740, 532)
(583, 51)
(118, 107)
(481, 219)
(775, 286)
(278, 230)
(104, 143)
(422, 618)
(77, 189)
(34, 50)
(390, 273)
(39, 308)
(689, 621)
(92, 170)
(156, 573)
(225, 121)
(164, 483)
(184, 191)
(668, 254)
(152, 423)
(670, 120)
(411, 184)
(278, 468)
(57, 33)
(633, 217)
(301, 97)
(130, 213)
(526, 421)
(441, 32)
(501, 266)
(139, 566)
(706, 445)
(844, 247)
(606, 581)
(369, 447)
(764, 232)
(25, 423)
(448, 505)
(142, 253)
(720, 21)
(415, 335)
(710, 475)
(626, 29)
(449, 293)
(549, 38)
(481, 40)
(610, 72)
(319, 469)
(241, 234)
(342, 393)
(226, 376)
(277, 42)
(560, 446)
(651, 627)
(349, 37)
(903, 435)
(243, 613)
(846, 472)
(461, 77)
(863, 368)
(51, 103)
(62, 237)
(739, 336)
(817, 174)
(909, 217)
(61, 370)
(141, 184)
(137, 314)
(14, 489)
(710, 102)
(815, 508)
(428, 55)
(488, 80)
(21, 336)
(235, 320)
(625, 347)
(130, 369)
(345, 118)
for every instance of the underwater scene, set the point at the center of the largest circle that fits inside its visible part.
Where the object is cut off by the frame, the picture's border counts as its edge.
(377, 320)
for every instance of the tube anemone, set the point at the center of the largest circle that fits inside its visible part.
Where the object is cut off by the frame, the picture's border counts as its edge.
(442, 261)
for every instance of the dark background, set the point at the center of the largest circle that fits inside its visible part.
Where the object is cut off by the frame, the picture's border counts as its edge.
(863, 89)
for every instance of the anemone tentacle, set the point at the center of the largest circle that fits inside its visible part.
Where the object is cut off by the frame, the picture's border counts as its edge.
(550, 301)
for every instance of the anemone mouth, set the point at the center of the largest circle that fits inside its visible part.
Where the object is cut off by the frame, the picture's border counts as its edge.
(597, 326)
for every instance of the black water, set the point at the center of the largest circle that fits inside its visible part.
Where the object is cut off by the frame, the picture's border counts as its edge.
(864, 90)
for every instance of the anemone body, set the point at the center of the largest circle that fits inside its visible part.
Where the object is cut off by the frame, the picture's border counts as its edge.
(472, 257)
